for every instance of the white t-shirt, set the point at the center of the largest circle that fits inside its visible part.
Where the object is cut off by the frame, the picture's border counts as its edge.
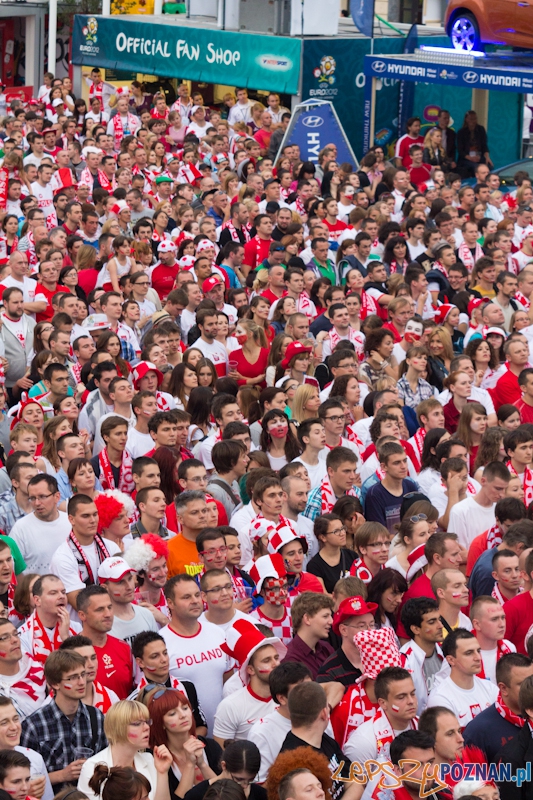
(464, 703)
(29, 288)
(187, 320)
(64, 565)
(237, 713)
(216, 352)
(45, 201)
(468, 519)
(268, 734)
(316, 472)
(490, 658)
(38, 541)
(224, 626)
(201, 660)
(138, 443)
(361, 744)
(127, 629)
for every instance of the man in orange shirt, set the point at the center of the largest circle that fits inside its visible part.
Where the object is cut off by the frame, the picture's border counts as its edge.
(191, 510)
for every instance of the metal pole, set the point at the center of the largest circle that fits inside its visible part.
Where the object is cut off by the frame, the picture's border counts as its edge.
(106, 8)
(52, 36)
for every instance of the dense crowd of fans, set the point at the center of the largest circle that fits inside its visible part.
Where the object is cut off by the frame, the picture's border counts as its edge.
(266, 509)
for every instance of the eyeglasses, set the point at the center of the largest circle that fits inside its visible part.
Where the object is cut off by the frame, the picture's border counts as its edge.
(418, 518)
(7, 636)
(141, 283)
(242, 781)
(378, 545)
(41, 498)
(214, 552)
(336, 417)
(338, 532)
(218, 589)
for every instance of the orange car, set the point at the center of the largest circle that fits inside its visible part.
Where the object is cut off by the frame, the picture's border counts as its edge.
(470, 24)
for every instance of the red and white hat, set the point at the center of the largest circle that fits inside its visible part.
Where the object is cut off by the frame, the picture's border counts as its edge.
(118, 207)
(113, 569)
(267, 567)
(187, 262)
(260, 527)
(282, 536)
(210, 283)
(442, 312)
(352, 607)
(167, 246)
(204, 244)
(417, 560)
(378, 649)
(494, 330)
(96, 322)
(144, 550)
(243, 639)
(476, 302)
(140, 370)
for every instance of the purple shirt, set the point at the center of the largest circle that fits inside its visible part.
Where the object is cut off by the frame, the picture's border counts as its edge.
(298, 650)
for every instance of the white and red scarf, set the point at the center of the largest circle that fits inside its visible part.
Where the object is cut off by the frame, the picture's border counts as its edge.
(440, 267)
(12, 614)
(355, 337)
(118, 128)
(299, 206)
(84, 568)
(505, 712)
(102, 699)
(30, 252)
(125, 483)
(502, 649)
(328, 495)
(175, 683)
(87, 179)
(523, 300)
(494, 536)
(368, 305)
(96, 90)
(394, 267)
(384, 733)
(361, 571)
(528, 482)
(354, 709)
(41, 646)
(229, 226)
(418, 440)
(465, 255)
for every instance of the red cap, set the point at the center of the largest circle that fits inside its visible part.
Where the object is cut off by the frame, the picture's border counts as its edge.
(294, 349)
(210, 283)
(352, 607)
(475, 303)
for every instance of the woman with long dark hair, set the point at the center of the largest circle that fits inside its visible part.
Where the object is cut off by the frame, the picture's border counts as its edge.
(199, 407)
(277, 440)
(334, 559)
(270, 397)
(413, 531)
(429, 463)
(395, 256)
(240, 763)
(386, 589)
(183, 380)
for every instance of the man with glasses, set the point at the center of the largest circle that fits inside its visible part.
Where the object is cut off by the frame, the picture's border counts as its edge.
(353, 615)
(217, 592)
(372, 544)
(58, 728)
(40, 533)
(332, 414)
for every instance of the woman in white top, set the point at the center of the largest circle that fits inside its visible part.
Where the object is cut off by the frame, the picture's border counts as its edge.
(127, 727)
(184, 379)
(413, 531)
(277, 440)
(429, 474)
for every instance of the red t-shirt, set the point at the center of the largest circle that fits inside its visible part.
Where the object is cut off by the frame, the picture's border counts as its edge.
(476, 548)
(336, 229)
(419, 588)
(251, 370)
(87, 279)
(519, 618)
(251, 257)
(421, 174)
(526, 412)
(115, 666)
(163, 279)
(263, 138)
(506, 390)
(269, 294)
(49, 312)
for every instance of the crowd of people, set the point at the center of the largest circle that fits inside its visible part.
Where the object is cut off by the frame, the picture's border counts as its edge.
(266, 493)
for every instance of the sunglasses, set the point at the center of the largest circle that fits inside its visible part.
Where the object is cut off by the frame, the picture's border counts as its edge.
(418, 518)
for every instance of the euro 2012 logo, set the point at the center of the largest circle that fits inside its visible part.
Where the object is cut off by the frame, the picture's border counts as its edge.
(325, 71)
(89, 31)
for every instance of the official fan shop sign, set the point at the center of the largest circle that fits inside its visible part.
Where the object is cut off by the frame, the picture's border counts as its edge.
(203, 55)
(476, 77)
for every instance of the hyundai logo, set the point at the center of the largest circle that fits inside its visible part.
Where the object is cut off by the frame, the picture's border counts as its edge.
(379, 66)
(312, 122)
(470, 77)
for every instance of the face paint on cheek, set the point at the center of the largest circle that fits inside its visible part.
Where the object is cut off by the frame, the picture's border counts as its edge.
(395, 708)
(457, 594)
(117, 594)
(67, 685)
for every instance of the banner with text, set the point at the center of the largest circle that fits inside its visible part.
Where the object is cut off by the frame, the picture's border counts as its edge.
(211, 56)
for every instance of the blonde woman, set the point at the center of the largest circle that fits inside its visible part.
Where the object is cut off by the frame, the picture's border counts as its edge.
(306, 403)
(440, 348)
(434, 152)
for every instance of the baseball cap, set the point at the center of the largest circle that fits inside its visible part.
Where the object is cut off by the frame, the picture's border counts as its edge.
(96, 322)
(57, 102)
(113, 569)
(210, 283)
(163, 179)
(272, 206)
(476, 302)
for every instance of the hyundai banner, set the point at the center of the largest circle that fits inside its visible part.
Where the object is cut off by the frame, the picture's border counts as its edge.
(476, 77)
(315, 124)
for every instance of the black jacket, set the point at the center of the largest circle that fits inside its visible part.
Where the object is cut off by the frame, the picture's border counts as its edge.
(518, 752)
(463, 142)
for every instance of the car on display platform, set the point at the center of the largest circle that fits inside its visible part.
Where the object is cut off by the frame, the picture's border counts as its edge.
(507, 173)
(471, 24)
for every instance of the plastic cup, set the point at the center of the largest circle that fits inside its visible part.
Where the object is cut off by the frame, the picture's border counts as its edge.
(233, 365)
(82, 752)
(249, 590)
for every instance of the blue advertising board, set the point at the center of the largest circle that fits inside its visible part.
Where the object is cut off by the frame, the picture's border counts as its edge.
(314, 124)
